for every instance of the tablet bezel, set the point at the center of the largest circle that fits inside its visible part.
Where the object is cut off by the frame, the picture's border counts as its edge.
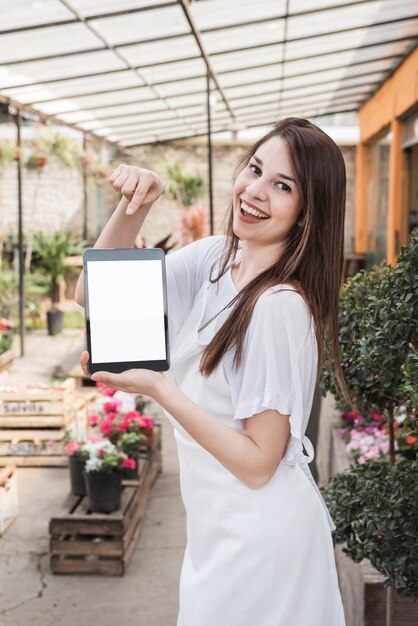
(125, 254)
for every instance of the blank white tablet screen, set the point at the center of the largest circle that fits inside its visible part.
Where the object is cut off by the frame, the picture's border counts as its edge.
(126, 306)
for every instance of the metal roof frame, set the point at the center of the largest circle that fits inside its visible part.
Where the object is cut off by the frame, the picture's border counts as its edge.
(111, 118)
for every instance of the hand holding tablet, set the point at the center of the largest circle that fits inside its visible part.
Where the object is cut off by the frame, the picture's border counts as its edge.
(126, 309)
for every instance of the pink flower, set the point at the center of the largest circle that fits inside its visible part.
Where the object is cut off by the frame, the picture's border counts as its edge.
(51, 442)
(360, 419)
(93, 419)
(111, 416)
(129, 463)
(102, 452)
(72, 447)
(108, 391)
(130, 415)
(149, 422)
(93, 437)
(112, 405)
(370, 429)
(123, 426)
(106, 427)
(343, 432)
(377, 417)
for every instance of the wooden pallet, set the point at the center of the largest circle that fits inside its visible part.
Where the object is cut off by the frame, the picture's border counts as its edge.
(83, 542)
(18, 445)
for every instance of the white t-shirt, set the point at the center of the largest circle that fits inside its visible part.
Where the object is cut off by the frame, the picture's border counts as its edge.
(279, 364)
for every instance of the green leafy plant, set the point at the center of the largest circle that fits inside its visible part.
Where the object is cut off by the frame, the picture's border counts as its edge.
(375, 509)
(6, 342)
(185, 188)
(378, 332)
(51, 250)
(378, 313)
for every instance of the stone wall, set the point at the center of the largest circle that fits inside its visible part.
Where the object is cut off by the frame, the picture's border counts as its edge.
(52, 199)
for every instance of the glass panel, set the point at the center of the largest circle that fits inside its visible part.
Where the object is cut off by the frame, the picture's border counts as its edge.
(20, 13)
(75, 86)
(46, 41)
(358, 15)
(178, 71)
(243, 59)
(116, 112)
(104, 101)
(218, 13)
(157, 52)
(377, 198)
(143, 25)
(411, 213)
(244, 36)
(94, 7)
(145, 117)
(411, 128)
(246, 76)
(351, 39)
(339, 73)
(252, 88)
(342, 58)
(183, 87)
(39, 71)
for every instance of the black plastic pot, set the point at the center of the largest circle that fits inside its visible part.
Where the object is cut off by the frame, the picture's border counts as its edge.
(132, 474)
(78, 484)
(55, 321)
(104, 490)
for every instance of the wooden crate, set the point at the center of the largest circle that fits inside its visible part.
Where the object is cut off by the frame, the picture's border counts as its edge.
(39, 444)
(37, 407)
(83, 542)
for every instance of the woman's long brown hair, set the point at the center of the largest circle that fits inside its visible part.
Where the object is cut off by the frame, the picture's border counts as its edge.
(312, 259)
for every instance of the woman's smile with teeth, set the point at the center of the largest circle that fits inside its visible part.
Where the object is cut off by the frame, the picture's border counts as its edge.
(251, 211)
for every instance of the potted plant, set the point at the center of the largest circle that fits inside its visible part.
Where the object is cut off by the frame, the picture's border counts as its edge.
(51, 250)
(378, 340)
(186, 188)
(76, 462)
(103, 476)
(124, 430)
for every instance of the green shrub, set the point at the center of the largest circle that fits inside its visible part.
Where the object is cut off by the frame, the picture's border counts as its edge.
(375, 509)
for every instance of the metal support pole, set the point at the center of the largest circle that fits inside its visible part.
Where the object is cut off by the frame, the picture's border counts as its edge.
(209, 151)
(20, 238)
(85, 196)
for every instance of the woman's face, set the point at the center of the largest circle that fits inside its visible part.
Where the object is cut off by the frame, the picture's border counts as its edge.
(266, 197)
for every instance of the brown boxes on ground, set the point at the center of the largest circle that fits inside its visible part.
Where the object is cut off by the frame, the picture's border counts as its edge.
(8, 497)
(98, 543)
(33, 422)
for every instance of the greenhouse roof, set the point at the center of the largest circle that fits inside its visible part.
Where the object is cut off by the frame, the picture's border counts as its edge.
(135, 71)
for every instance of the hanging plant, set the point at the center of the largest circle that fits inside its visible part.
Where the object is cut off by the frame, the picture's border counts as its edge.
(36, 161)
(8, 153)
(56, 146)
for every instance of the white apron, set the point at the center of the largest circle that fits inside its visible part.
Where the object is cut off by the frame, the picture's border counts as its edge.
(254, 557)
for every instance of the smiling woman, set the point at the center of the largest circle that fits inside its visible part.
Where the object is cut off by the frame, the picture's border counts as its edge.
(247, 316)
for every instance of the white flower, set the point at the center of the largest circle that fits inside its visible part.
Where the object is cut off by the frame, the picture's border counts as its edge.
(93, 464)
(127, 400)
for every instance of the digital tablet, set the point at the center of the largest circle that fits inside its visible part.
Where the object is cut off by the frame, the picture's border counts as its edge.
(126, 309)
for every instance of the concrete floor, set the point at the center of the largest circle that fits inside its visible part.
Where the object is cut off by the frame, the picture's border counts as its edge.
(29, 593)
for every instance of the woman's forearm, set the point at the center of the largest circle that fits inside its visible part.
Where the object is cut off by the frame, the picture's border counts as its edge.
(234, 450)
(120, 232)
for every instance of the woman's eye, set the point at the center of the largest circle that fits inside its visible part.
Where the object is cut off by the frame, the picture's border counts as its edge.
(284, 186)
(254, 168)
